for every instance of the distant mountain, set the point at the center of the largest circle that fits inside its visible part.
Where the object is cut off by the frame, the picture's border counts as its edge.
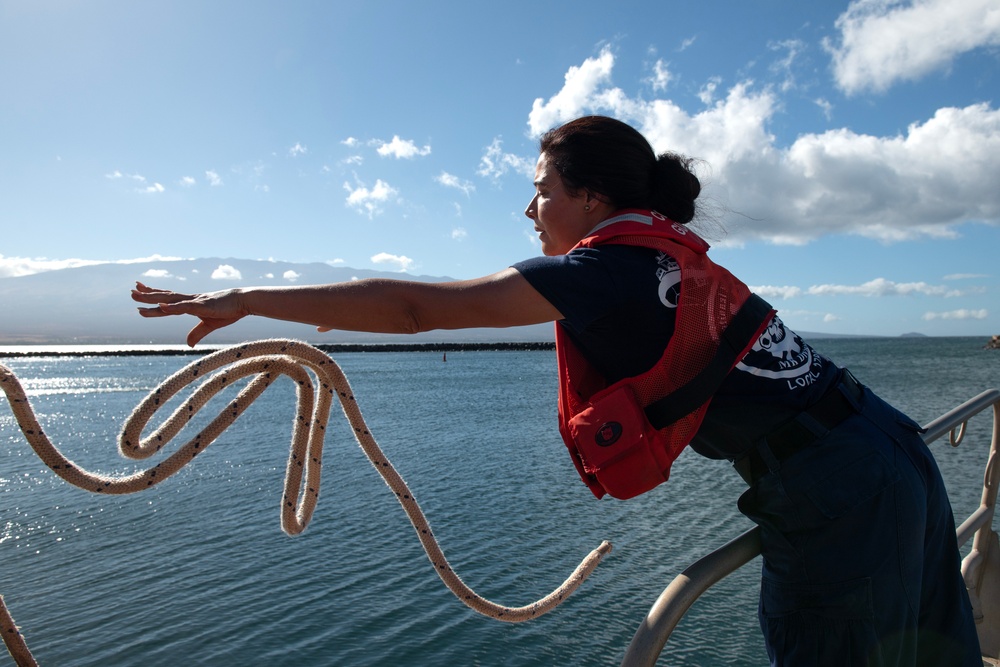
(91, 304)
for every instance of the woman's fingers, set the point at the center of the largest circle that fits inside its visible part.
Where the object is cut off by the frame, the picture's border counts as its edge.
(144, 294)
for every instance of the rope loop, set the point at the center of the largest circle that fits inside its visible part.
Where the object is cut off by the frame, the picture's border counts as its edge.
(265, 361)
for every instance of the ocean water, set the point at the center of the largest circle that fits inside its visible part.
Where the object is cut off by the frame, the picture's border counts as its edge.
(196, 570)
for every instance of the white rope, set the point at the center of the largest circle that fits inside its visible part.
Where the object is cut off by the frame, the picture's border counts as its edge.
(265, 360)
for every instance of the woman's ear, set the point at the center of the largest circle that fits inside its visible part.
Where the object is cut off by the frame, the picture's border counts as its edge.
(594, 199)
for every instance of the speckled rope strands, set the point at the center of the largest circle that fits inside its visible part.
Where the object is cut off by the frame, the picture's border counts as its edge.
(266, 360)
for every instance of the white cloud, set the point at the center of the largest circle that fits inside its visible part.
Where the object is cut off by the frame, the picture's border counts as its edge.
(826, 106)
(459, 233)
(402, 149)
(495, 163)
(291, 276)
(882, 287)
(783, 67)
(452, 181)
(213, 178)
(335, 262)
(13, 267)
(879, 287)
(938, 174)
(965, 276)
(186, 181)
(886, 41)
(297, 150)
(577, 91)
(961, 314)
(157, 273)
(370, 201)
(777, 291)
(401, 262)
(707, 92)
(661, 76)
(155, 188)
(226, 272)
(350, 141)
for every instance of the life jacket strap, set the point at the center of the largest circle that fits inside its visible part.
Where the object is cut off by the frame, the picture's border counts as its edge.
(737, 339)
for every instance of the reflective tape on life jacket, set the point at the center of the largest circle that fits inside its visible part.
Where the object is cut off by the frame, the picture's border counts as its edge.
(623, 438)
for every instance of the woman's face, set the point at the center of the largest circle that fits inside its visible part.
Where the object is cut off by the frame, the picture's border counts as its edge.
(561, 219)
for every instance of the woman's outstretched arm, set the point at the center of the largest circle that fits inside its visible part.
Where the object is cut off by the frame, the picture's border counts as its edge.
(503, 299)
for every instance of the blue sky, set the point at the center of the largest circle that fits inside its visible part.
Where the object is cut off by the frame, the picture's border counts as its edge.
(851, 150)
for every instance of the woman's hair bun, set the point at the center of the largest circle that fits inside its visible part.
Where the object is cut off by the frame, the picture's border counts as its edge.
(674, 187)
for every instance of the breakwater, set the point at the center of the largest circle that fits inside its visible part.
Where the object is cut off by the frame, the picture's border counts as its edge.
(333, 348)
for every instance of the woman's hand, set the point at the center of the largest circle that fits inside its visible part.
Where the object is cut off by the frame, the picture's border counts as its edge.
(214, 310)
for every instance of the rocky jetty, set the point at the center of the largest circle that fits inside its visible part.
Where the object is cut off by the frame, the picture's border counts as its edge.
(994, 343)
(333, 348)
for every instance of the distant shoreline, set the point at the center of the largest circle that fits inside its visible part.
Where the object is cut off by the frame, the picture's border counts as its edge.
(14, 351)
(330, 348)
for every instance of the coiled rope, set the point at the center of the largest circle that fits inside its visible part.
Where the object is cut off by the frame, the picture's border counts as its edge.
(266, 360)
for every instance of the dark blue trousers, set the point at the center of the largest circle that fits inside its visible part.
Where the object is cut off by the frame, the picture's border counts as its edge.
(861, 564)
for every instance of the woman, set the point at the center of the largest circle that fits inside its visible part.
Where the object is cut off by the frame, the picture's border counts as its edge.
(861, 565)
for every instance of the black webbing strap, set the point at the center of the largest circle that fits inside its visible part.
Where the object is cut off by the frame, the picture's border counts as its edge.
(688, 398)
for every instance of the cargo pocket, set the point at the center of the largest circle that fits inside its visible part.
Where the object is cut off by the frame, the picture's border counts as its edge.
(846, 487)
(820, 624)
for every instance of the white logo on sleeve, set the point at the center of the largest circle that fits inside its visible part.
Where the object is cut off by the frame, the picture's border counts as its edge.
(781, 355)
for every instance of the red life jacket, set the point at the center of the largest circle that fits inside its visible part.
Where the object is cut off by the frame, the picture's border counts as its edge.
(623, 438)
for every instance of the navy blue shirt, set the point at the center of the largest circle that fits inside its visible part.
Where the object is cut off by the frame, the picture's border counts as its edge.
(619, 303)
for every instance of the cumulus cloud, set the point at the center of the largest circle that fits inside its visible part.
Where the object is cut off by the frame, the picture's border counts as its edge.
(297, 150)
(213, 178)
(226, 272)
(886, 41)
(939, 173)
(157, 273)
(402, 149)
(401, 262)
(459, 233)
(370, 201)
(187, 181)
(777, 291)
(452, 181)
(291, 276)
(580, 85)
(495, 164)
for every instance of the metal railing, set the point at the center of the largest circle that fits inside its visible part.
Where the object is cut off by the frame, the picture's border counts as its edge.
(981, 568)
